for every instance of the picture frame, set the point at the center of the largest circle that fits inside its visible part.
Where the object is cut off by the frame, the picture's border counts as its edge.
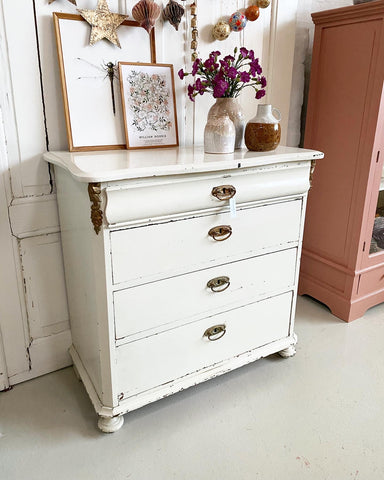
(149, 105)
(86, 82)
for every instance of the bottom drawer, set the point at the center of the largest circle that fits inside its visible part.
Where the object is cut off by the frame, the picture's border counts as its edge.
(371, 281)
(156, 360)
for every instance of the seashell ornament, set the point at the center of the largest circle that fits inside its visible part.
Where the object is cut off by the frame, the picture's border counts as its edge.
(173, 13)
(221, 31)
(146, 12)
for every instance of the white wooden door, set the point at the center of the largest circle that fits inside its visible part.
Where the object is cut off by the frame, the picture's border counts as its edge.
(34, 324)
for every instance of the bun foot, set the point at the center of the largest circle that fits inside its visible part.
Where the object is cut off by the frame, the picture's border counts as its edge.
(110, 424)
(288, 352)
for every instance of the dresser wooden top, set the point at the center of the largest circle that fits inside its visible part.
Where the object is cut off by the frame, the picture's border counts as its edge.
(115, 165)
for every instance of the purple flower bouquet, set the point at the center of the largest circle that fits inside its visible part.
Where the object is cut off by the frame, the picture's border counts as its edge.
(225, 78)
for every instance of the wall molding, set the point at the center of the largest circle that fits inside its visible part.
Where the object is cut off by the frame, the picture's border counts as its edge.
(32, 216)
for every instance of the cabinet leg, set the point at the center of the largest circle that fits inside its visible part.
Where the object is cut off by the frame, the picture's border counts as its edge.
(110, 424)
(288, 352)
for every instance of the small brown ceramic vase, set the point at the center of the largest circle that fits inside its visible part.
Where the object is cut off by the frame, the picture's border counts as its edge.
(263, 132)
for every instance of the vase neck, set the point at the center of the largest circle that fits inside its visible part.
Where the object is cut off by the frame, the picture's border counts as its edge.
(266, 114)
(226, 100)
(264, 109)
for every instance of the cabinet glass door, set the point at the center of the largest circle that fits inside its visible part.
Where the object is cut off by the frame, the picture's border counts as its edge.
(377, 239)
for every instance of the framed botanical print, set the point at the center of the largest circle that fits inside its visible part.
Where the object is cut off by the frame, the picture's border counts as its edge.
(149, 106)
(89, 79)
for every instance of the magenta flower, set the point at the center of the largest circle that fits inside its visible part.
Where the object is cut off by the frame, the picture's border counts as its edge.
(219, 88)
(245, 77)
(195, 66)
(260, 94)
(232, 72)
(254, 67)
(244, 52)
(199, 86)
(226, 77)
(229, 59)
(190, 93)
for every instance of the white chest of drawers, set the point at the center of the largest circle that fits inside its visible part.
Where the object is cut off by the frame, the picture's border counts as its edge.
(170, 282)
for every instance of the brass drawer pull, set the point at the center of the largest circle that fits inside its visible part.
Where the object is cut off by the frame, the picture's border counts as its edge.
(220, 233)
(215, 332)
(224, 192)
(219, 284)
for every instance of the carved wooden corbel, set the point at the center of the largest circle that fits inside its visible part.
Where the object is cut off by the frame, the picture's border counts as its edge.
(94, 192)
(311, 172)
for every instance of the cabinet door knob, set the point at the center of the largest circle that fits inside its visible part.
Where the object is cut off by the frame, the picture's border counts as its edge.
(224, 192)
(220, 233)
(215, 332)
(219, 284)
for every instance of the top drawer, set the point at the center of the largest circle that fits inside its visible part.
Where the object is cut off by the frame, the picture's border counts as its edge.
(152, 252)
(159, 197)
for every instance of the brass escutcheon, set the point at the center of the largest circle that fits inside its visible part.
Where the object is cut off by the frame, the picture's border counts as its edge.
(220, 233)
(215, 333)
(219, 284)
(224, 192)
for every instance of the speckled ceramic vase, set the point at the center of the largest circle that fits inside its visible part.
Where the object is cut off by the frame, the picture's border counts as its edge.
(219, 133)
(232, 108)
(263, 132)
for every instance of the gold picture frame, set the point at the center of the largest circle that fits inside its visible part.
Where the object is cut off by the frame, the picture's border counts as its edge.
(149, 105)
(89, 92)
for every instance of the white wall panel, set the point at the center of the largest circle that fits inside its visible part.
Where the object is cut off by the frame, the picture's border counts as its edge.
(27, 167)
(43, 273)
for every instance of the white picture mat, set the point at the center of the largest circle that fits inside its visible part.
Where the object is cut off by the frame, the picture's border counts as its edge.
(91, 116)
(148, 137)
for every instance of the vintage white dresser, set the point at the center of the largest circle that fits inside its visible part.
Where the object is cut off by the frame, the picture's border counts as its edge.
(180, 266)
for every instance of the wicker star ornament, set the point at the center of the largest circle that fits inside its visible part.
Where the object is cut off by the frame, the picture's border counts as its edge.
(103, 23)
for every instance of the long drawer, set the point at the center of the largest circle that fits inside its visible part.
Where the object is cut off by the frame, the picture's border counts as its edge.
(148, 253)
(158, 359)
(156, 198)
(182, 299)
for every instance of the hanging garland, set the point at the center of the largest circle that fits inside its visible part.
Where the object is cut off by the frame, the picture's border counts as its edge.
(238, 20)
(195, 32)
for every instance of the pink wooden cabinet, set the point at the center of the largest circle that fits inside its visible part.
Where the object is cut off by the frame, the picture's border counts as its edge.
(343, 249)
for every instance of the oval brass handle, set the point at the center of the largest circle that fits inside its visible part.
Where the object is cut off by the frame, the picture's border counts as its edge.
(220, 233)
(215, 333)
(224, 192)
(219, 284)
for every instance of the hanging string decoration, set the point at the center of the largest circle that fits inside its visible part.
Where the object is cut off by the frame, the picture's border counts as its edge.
(263, 3)
(173, 12)
(252, 13)
(238, 20)
(195, 32)
(221, 30)
(146, 12)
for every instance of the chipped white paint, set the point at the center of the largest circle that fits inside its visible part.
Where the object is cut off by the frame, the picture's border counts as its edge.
(155, 264)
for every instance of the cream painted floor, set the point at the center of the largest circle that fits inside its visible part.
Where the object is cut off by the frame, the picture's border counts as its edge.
(318, 416)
